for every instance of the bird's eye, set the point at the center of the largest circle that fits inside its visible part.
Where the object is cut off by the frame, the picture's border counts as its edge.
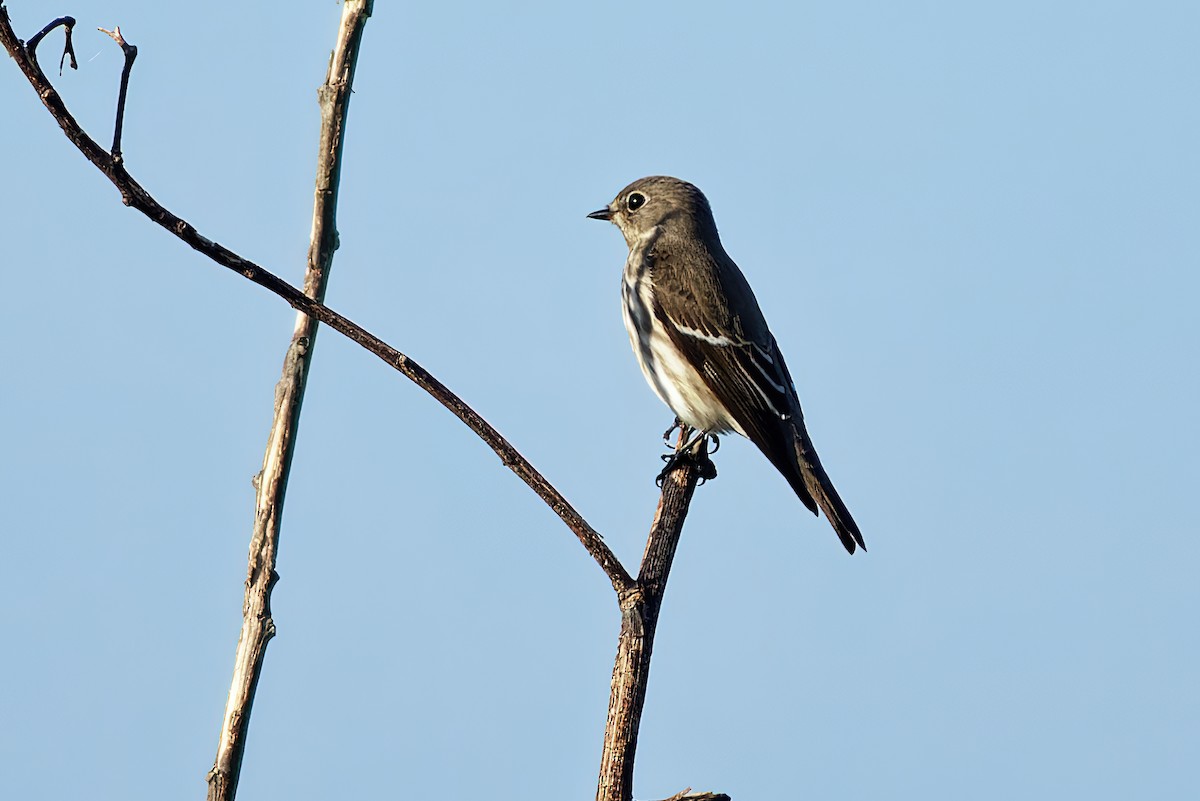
(635, 201)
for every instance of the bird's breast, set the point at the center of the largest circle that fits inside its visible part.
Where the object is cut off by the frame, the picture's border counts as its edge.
(668, 372)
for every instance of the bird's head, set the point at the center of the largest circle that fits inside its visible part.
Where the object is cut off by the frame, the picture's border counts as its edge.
(662, 202)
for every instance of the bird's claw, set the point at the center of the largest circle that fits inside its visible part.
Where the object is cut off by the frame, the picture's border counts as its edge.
(667, 434)
(672, 461)
(698, 457)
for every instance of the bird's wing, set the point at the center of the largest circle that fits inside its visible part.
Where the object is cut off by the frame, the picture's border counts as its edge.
(750, 379)
(753, 384)
(714, 319)
(711, 315)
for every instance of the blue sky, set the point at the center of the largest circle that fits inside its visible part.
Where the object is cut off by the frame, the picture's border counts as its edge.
(971, 226)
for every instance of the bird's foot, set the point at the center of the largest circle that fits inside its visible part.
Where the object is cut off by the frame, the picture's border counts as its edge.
(667, 434)
(672, 460)
(692, 451)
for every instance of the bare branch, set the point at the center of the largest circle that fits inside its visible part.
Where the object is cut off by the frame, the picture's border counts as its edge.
(640, 606)
(271, 484)
(133, 194)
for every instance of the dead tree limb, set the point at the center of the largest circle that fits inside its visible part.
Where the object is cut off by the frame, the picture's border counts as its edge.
(258, 626)
(640, 607)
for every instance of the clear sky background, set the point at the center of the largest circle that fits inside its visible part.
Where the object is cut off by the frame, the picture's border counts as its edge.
(973, 228)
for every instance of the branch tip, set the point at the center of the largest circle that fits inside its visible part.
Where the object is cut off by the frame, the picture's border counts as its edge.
(114, 34)
(68, 23)
(688, 795)
(130, 52)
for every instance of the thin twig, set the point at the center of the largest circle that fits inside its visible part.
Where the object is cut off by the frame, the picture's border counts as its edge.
(271, 484)
(680, 795)
(130, 54)
(688, 795)
(132, 194)
(68, 24)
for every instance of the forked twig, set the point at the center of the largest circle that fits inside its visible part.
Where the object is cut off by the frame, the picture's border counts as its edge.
(68, 24)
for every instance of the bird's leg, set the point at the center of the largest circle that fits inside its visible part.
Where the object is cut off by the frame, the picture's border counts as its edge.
(673, 458)
(693, 446)
(667, 434)
(696, 438)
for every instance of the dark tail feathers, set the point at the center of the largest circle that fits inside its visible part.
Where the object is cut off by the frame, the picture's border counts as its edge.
(802, 469)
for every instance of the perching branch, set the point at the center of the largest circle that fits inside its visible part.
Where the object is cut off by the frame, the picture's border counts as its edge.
(258, 626)
(640, 607)
(134, 195)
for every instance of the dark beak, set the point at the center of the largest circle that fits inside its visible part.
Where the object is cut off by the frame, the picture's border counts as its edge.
(601, 214)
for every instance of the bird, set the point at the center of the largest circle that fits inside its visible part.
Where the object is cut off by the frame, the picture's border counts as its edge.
(702, 341)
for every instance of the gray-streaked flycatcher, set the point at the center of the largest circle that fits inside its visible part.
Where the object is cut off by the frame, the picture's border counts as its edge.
(702, 341)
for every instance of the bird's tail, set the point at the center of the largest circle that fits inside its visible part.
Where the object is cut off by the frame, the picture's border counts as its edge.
(810, 481)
